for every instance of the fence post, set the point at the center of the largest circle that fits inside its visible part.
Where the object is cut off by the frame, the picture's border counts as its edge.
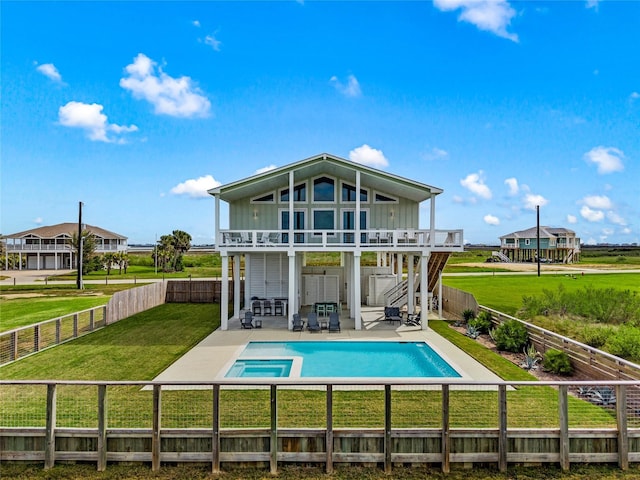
(36, 338)
(155, 439)
(563, 417)
(215, 440)
(273, 456)
(387, 429)
(58, 330)
(13, 339)
(92, 322)
(329, 434)
(502, 439)
(102, 428)
(104, 315)
(50, 434)
(446, 427)
(75, 325)
(623, 433)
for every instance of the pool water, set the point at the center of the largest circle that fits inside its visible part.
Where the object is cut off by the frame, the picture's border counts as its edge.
(260, 368)
(348, 359)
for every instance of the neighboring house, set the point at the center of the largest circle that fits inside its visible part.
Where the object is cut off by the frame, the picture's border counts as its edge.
(49, 248)
(556, 245)
(276, 217)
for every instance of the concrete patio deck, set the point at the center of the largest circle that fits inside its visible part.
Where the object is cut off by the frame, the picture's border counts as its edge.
(212, 357)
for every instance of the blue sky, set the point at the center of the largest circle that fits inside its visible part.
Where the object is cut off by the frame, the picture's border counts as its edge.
(136, 108)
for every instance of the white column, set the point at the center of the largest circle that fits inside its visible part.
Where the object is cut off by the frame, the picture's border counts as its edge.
(356, 291)
(424, 291)
(224, 295)
(440, 294)
(293, 299)
(432, 221)
(399, 262)
(236, 286)
(291, 185)
(411, 293)
(218, 237)
(357, 212)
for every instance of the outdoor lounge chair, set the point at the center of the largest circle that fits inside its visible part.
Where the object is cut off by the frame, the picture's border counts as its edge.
(334, 322)
(413, 319)
(298, 323)
(392, 314)
(247, 321)
(312, 322)
(256, 307)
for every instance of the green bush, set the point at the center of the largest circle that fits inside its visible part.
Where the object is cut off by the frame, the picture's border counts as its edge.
(468, 315)
(594, 335)
(625, 343)
(483, 323)
(558, 362)
(511, 336)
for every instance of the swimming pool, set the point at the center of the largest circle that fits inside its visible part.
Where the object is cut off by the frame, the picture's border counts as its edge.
(344, 359)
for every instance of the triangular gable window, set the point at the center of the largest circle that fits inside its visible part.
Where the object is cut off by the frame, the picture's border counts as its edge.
(268, 198)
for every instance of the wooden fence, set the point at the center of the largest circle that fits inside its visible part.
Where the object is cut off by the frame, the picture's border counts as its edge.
(585, 359)
(126, 303)
(456, 301)
(24, 341)
(197, 291)
(274, 444)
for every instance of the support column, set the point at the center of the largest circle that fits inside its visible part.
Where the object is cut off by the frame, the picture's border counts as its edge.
(440, 294)
(356, 291)
(432, 221)
(411, 288)
(424, 291)
(236, 286)
(224, 293)
(293, 299)
(399, 262)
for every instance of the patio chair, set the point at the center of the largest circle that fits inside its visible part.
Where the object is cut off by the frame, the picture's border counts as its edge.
(312, 322)
(256, 307)
(298, 323)
(247, 321)
(392, 314)
(413, 320)
(266, 307)
(334, 322)
(278, 307)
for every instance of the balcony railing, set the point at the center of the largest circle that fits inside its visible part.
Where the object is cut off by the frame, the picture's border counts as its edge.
(304, 239)
(33, 247)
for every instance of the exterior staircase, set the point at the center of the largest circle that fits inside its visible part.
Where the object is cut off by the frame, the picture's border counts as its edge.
(397, 296)
(501, 256)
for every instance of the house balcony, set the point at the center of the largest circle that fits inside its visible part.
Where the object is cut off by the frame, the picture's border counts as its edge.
(61, 248)
(341, 240)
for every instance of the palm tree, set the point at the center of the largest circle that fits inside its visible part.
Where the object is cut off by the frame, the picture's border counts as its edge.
(181, 244)
(88, 248)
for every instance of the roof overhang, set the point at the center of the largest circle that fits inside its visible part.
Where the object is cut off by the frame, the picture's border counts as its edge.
(325, 164)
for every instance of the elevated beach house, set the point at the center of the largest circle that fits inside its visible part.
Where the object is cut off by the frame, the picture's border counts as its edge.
(49, 248)
(556, 245)
(329, 204)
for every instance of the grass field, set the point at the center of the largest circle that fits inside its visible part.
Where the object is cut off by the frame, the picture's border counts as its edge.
(504, 292)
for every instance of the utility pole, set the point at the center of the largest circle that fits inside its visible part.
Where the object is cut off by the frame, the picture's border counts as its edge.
(79, 280)
(156, 253)
(538, 236)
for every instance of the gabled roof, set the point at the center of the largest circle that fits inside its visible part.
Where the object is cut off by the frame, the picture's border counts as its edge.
(329, 165)
(545, 232)
(53, 231)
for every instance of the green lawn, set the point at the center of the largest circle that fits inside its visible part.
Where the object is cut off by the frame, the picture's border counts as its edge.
(504, 292)
(27, 304)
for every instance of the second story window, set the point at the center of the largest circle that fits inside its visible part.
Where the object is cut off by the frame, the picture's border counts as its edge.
(324, 190)
(299, 193)
(349, 193)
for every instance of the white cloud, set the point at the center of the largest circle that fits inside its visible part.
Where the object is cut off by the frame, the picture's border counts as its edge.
(597, 201)
(268, 168)
(489, 15)
(350, 89)
(531, 201)
(435, 154)
(196, 188)
(457, 199)
(38, 220)
(572, 219)
(196, 23)
(592, 4)
(50, 70)
(512, 183)
(608, 159)
(475, 184)
(607, 231)
(491, 220)
(634, 95)
(371, 157)
(90, 118)
(213, 42)
(613, 217)
(591, 215)
(626, 231)
(177, 97)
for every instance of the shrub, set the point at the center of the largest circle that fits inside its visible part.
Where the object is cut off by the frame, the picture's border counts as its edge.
(468, 315)
(625, 343)
(595, 336)
(558, 362)
(511, 336)
(483, 323)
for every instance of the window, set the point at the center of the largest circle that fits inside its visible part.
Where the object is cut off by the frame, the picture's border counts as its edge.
(527, 241)
(382, 198)
(324, 190)
(299, 193)
(348, 223)
(349, 193)
(298, 224)
(323, 220)
(268, 198)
